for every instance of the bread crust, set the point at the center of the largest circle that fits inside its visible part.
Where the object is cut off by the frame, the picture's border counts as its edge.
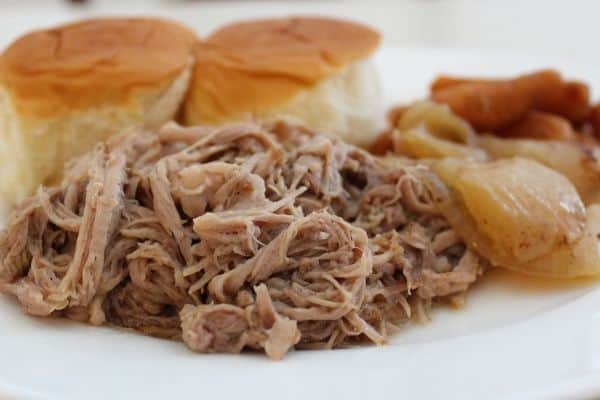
(64, 89)
(92, 63)
(249, 67)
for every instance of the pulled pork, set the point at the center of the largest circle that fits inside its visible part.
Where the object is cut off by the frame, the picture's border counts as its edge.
(252, 236)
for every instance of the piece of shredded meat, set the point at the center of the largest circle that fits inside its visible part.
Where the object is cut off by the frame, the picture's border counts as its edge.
(264, 237)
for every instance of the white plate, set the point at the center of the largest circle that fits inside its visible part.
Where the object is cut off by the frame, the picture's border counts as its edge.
(515, 338)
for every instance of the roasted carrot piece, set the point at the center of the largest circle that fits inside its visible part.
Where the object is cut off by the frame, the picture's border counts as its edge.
(383, 144)
(586, 139)
(572, 101)
(446, 81)
(541, 125)
(594, 120)
(544, 90)
(496, 105)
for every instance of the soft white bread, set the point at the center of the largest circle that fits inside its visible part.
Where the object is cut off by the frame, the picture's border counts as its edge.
(64, 89)
(315, 70)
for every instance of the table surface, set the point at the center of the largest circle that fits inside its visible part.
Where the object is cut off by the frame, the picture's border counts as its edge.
(565, 29)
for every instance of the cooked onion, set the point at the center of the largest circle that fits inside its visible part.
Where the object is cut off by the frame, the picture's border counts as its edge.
(429, 130)
(439, 120)
(581, 259)
(519, 215)
(419, 143)
(576, 162)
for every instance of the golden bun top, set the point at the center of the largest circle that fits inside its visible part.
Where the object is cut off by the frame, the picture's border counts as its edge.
(250, 66)
(95, 61)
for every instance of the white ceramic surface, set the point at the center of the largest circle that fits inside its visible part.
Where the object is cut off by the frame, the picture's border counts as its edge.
(550, 27)
(516, 337)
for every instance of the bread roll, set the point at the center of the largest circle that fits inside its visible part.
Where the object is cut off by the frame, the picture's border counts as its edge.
(64, 89)
(316, 70)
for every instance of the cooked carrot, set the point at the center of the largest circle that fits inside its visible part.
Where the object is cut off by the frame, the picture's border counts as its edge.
(492, 106)
(587, 139)
(572, 101)
(496, 104)
(383, 144)
(550, 76)
(446, 81)
(541, 125)
(594, 120)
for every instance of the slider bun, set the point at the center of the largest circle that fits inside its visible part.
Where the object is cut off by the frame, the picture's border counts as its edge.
(64, 89)
(315, 70)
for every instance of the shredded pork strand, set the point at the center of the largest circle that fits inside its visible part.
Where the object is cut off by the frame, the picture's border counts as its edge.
(266, 237)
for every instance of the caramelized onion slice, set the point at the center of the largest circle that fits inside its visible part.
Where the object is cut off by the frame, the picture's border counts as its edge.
(575, 161)
(581, 259)
(429, 130)
(438, 120)
(419, 143)
(518, 214)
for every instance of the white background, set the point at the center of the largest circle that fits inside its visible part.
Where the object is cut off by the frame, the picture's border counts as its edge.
(568, 29)
(514, 339)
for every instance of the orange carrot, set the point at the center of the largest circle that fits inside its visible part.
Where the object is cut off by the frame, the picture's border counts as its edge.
(496, 104)
(446, 81)
(571, 102)
(594, 120)
(383, 143)
(540, 125)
